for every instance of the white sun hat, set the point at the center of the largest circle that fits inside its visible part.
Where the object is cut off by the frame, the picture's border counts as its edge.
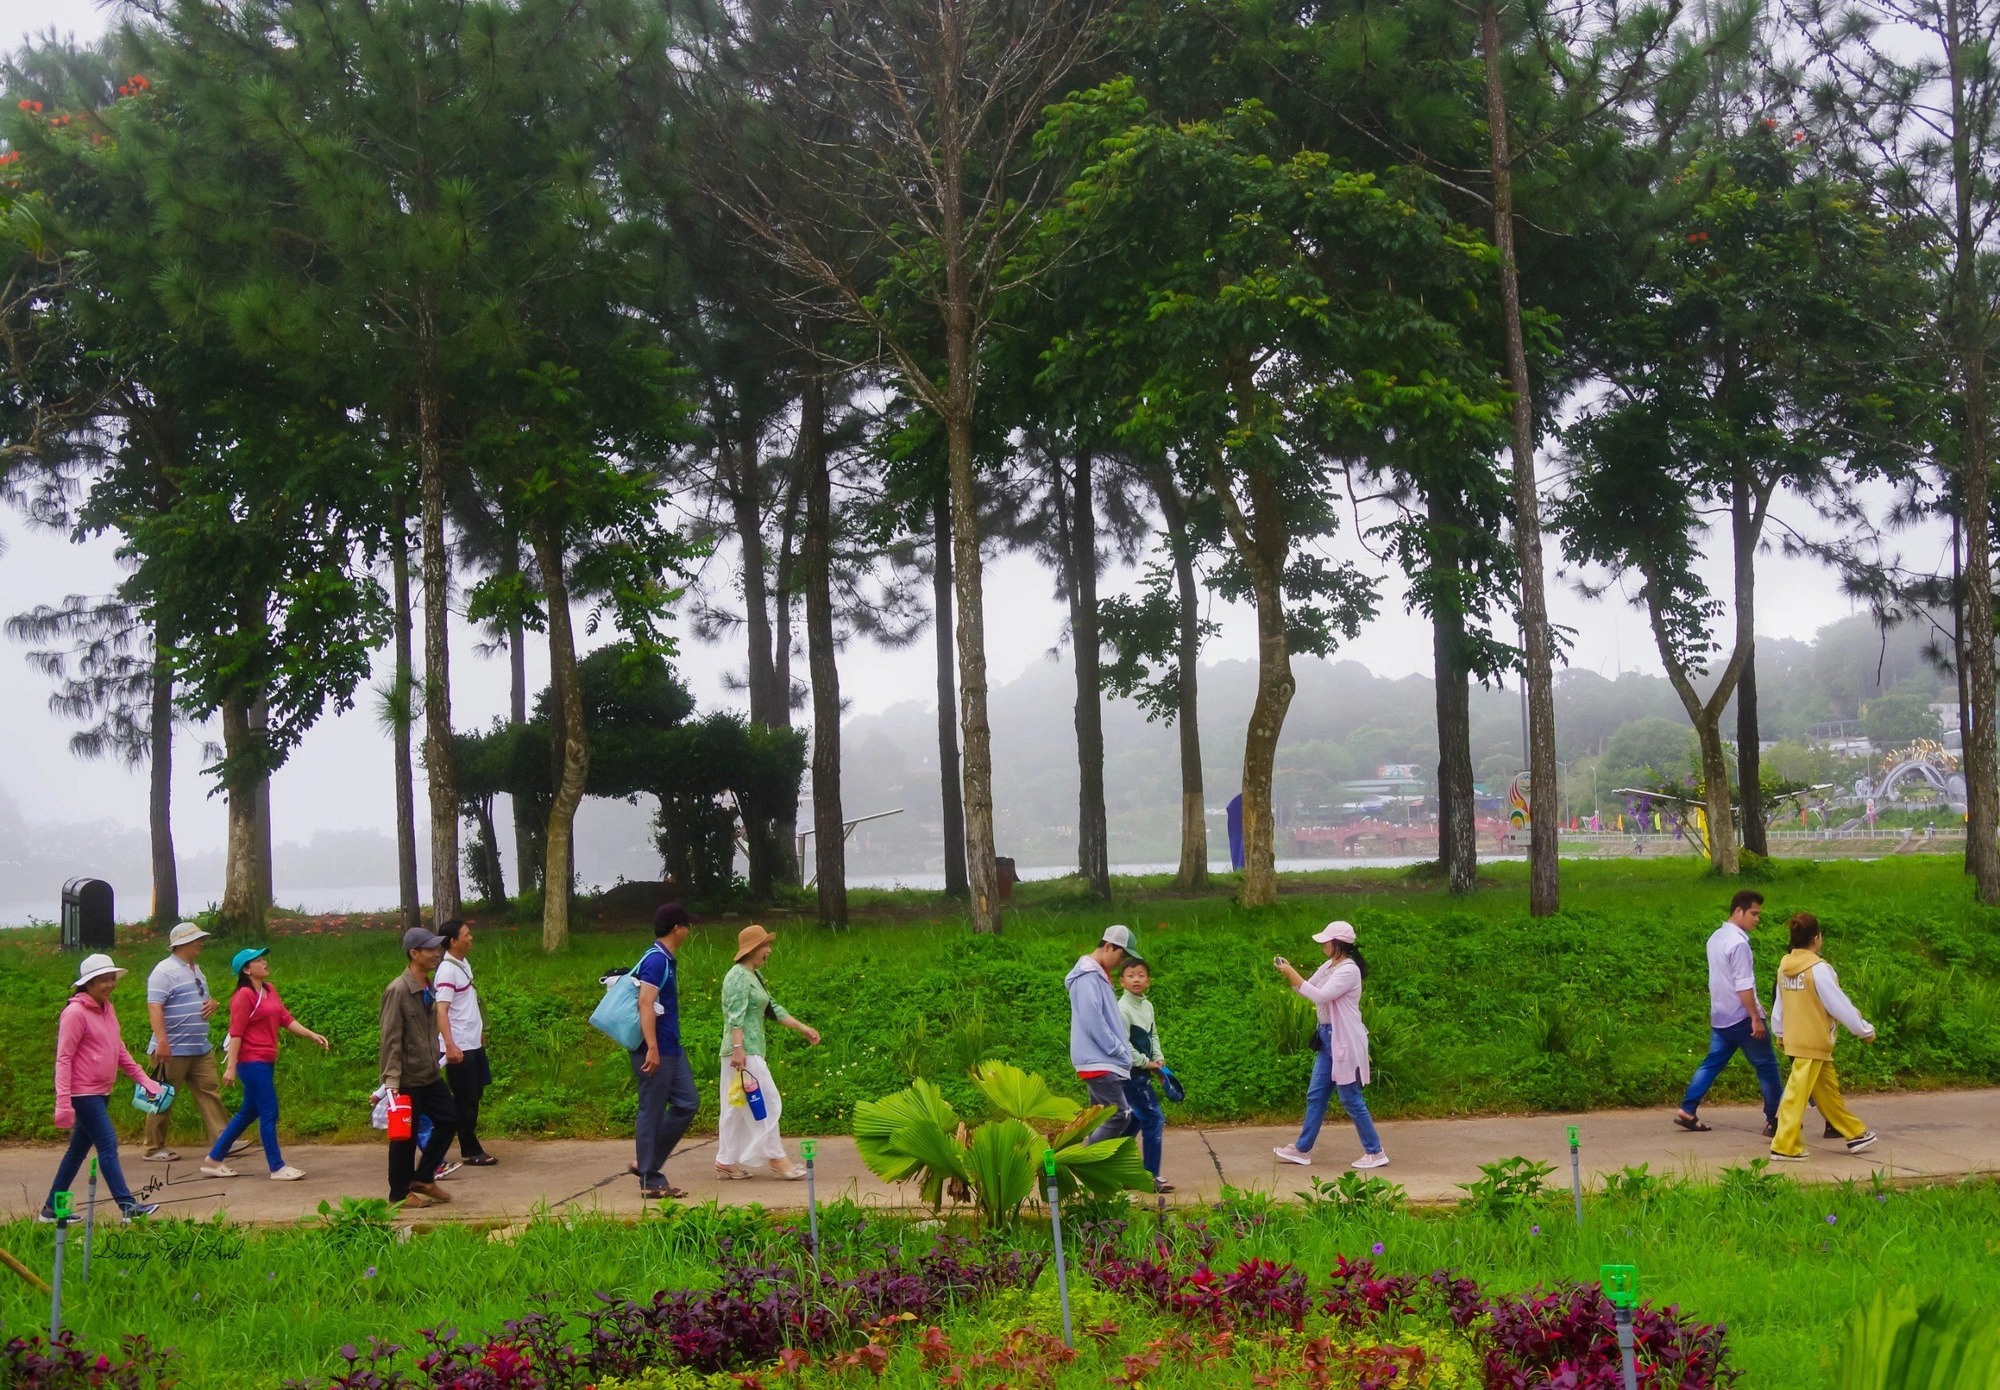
(92, 967)
(1335, 931)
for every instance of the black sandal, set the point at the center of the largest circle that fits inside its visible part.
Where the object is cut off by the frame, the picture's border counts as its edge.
(481, 1161)
(665, 1193)
(1692, 1125)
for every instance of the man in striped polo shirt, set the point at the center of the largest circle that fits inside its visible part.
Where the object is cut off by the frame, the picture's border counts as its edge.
(181, 1053)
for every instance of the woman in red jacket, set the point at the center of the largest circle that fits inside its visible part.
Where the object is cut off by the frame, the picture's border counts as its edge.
(90, 1052)
(256, 1014)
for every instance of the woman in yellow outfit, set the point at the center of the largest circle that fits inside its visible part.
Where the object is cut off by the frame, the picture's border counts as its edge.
(1807, 1014)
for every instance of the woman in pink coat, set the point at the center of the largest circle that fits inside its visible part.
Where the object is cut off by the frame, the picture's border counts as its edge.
(90, 1052)
(1341, 1064)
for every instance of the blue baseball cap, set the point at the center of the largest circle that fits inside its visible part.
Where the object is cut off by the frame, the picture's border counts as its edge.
(245, 956)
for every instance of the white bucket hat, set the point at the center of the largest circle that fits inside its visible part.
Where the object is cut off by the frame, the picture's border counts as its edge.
(1335, 931)
(92, 967)
(184, 933)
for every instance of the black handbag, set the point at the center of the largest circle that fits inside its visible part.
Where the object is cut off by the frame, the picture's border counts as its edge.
(1318, 1044)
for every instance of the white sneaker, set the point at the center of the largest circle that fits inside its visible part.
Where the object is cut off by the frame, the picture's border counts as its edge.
(1374, 1160)
(1290, 1154)
(287, 1174)
(219, 1170)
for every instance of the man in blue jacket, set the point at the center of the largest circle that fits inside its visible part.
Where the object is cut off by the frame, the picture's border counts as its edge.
(1099, 1047)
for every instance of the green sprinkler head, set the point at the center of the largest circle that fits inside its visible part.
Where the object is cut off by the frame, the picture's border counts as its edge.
(1049, 1162)
(63, 1205)
(1621, 1284)
(808, 1147)
(1572, 1135)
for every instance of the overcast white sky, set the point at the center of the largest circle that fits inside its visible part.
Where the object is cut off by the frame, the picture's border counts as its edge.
(340, 777)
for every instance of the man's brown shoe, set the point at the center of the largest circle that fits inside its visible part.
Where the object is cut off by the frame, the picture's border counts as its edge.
(415, 1201)
(431, 1190)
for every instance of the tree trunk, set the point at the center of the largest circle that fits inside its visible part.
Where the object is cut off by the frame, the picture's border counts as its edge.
(982, 873)
(160, 793)
(951, 800)
(409, 896)
(1193, 870)
(1706, 716)
(1264, 543)
(746, 502)
(785, 840)
(829, 831)
(1749, 760)
(1982, 776)
(1750, 792)
(1958, 661)
(526, 852)
(575, 746)
(1458, 832)
(260, 715)
(438, 771)
(1093, 849)
(1544, 890)
(243, 908)
(1275, 686)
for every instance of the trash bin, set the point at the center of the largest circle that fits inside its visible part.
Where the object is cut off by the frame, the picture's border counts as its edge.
(88, 923)
(1008, 878)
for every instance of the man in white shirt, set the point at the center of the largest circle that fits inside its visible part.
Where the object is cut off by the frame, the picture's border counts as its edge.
(1735, 1018)
(462, 1034)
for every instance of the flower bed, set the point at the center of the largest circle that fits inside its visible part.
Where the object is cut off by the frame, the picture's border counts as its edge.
(983, 1317)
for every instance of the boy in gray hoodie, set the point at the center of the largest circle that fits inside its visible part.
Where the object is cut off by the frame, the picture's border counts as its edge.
(1099, 1048)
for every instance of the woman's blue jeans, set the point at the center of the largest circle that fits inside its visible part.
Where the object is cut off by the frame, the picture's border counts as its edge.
(260, 1103)
(92, 1130)
(1321, 1093)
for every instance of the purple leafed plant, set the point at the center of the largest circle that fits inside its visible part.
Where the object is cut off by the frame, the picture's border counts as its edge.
(1566, 1339)
(32, 1363)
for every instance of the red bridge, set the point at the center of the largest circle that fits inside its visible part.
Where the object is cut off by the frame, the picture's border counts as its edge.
(1363, 836)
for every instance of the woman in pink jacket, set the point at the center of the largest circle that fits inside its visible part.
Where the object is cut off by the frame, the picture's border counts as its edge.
(90, 1053)
(1341, 1064)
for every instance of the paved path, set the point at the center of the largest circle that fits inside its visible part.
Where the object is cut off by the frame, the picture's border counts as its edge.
(1931, 1134)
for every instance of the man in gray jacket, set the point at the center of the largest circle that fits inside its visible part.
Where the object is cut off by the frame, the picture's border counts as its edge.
(1099, 1047)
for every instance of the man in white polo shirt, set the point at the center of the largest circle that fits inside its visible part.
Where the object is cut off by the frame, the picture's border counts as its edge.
(1735, 1018)
(181, 1053)
(462, 1034)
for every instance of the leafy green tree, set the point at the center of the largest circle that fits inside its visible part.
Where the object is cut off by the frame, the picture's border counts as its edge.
(898, 194)
(1906, 93)
(1263, 356)
(1762, 354)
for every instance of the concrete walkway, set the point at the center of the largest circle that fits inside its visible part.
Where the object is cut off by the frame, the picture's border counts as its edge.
(1925, 1135)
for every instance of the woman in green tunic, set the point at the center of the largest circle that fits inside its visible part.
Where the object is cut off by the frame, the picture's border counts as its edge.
(742, 1140)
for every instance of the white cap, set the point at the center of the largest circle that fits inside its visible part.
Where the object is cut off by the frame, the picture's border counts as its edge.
(1121, 937)
(1335, 931)
(184, 933)
(92, 967)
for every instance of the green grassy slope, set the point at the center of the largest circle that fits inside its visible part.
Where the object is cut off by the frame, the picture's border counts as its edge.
(1474, 1007)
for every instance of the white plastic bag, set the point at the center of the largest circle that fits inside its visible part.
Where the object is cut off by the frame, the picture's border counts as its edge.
(378, 1116)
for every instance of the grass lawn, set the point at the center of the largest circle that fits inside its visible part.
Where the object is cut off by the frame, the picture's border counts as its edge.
(1780, 1265)
(1473, 1006)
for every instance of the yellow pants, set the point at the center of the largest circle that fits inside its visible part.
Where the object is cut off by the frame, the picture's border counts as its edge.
(1814, 1079)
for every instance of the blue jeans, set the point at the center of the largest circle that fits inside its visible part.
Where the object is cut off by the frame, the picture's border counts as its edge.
(260, 1103)
(92, 1130)
(1722, 1045)
(1148, 1121)
(1321, 1093)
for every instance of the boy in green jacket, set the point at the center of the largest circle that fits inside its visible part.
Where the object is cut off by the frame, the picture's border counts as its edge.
(1148, 1121)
